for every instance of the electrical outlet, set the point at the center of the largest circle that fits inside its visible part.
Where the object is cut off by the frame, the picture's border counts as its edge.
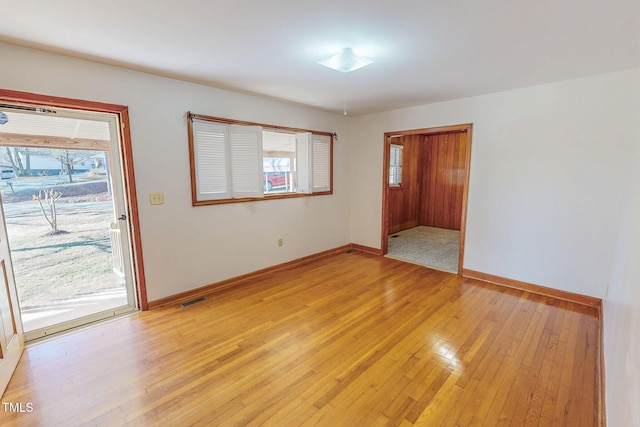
(280, 242)
(156, 198)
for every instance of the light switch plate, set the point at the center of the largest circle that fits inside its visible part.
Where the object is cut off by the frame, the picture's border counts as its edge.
(156, 198)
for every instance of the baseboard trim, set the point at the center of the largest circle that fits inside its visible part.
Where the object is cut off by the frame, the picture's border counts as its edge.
(367, 249)
(535, 289)
(602, 403)
(234, 281)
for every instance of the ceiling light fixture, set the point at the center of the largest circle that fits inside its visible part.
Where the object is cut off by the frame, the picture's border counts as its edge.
(345, 61)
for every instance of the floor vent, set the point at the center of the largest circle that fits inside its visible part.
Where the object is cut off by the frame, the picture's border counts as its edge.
(192, 302)
(396, 235)
(350, 251)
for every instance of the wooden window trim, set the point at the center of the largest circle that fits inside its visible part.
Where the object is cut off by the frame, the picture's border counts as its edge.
(274, 128)
(122, 112)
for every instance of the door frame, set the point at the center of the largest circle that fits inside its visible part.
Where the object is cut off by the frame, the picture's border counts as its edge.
(122, 114)
(467, 128)
(12, 341)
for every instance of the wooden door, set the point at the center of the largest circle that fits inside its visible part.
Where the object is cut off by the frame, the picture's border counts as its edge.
(11, 337)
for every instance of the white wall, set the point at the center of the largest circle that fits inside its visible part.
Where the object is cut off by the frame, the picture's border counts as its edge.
(185, 247)
(622, 307)
(547, 169)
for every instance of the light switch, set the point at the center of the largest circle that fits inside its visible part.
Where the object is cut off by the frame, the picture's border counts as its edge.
(156, 198)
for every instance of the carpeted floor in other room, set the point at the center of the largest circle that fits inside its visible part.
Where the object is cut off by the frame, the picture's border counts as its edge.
(429, 246)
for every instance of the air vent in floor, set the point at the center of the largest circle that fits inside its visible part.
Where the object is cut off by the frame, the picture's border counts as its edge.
(192, 302)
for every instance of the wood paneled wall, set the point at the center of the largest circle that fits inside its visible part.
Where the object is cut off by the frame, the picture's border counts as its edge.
(432, 182)
(404, 201)
(442, 179)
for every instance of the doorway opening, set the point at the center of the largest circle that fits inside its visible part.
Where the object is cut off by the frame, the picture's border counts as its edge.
(69, 214)
(425, 187)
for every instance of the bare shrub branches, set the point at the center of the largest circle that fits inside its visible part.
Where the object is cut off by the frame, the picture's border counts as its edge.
(49, 197)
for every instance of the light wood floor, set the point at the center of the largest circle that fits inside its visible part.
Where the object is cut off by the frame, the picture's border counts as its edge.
(350, 340)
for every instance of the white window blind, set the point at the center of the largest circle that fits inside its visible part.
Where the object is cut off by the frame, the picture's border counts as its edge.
(240, 160)
(246, 161)
(395, 165)
(228, 160)
(321, 161)
(303, 162)
(210, 152)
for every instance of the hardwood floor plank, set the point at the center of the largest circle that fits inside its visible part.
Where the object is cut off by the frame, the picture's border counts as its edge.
(542, 378)
(588, 411)
(570, 330)
(402, 404)
(512, 390)
(352, 339)
(530, 406)
(557, 366)
(509, 357)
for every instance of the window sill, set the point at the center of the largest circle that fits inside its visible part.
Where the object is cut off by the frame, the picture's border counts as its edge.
(257, 199)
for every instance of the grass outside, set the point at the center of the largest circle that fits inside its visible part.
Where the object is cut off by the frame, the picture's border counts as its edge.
(57, 267)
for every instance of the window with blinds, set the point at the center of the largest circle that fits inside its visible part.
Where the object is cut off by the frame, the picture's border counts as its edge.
(235, 161)
(395, 165)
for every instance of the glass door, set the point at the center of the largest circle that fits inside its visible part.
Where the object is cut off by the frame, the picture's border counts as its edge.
(66, 217)
(11, 336)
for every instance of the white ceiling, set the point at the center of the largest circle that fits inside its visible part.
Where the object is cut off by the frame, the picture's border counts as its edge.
(424, 51)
